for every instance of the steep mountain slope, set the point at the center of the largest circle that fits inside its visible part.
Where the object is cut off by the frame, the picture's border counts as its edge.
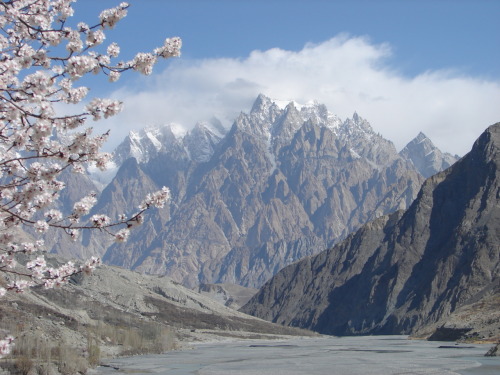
(426, 157)
(282, 184)
(408, 271)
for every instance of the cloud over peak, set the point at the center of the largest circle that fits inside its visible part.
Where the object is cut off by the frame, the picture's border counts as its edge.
(346, 73)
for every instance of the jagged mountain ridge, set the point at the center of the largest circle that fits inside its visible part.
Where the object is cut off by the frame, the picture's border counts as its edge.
(146, 144)
(199, 143)
(408, 271)
(282, 184)
(285, 182)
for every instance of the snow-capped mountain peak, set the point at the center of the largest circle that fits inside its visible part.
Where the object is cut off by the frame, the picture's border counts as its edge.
(357, 126)
(276, 122)
(178, 130)
(200, 141)
(147, 143)
(268, 116)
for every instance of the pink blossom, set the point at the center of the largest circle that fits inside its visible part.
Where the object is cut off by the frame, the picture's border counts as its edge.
(6, 345)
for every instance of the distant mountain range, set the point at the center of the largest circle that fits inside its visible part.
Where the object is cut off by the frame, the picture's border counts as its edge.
(285, 182)
(435, 265)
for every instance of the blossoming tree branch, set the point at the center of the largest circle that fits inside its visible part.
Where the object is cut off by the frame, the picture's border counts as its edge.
(37, 144)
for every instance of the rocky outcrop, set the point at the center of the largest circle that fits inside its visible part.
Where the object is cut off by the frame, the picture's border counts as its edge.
(477, 320)
(407, 271)
(494, 351)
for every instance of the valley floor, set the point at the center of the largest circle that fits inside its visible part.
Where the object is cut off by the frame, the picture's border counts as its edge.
(371, 355)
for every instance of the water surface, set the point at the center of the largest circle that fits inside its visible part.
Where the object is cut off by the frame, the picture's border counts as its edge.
(368, 355)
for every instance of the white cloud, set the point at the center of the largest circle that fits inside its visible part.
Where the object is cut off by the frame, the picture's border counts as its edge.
(346, 73)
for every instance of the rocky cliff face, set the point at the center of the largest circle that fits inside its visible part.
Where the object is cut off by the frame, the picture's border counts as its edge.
(283, 183)
(407, 271)
(426, 157)
(286, 181)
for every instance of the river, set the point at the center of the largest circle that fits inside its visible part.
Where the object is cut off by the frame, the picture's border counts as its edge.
(368, 355)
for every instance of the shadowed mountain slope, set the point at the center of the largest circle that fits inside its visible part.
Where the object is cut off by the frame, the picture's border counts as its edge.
(407, 271)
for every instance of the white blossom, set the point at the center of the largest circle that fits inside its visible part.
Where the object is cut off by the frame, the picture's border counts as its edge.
(41, 226)
(171, 48)
(38, 268)
(31, 247)
(75, 43)
(114, 76)
(113, 50)
(74, 234)
(90, 265)
(82, 27)
(102, 160)
(143, 62)
(78, 66)
(110, 17)
(100, 221)
(19, 286)
(7, 260)
(95, 37)
(156, 199)
(41, 58)
(84, 206)
(54, 215)
(122, 235)
(137, 220)
(103, 107)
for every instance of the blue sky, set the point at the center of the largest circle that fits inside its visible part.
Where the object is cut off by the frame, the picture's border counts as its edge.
(406, 66)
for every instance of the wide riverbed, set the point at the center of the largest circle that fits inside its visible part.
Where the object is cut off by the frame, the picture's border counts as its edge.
(371, 355)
